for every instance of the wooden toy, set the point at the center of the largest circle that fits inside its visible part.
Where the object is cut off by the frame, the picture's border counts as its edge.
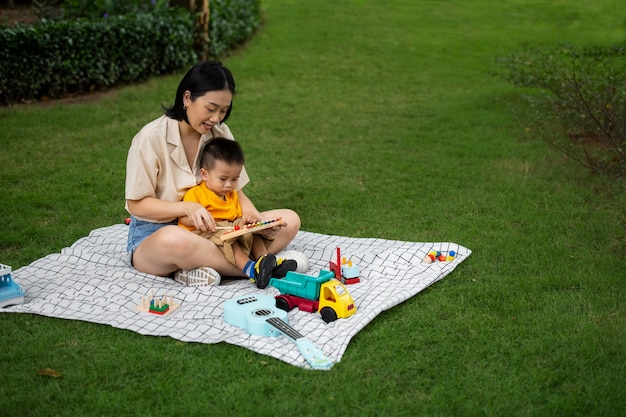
(252, 228)
(161, 306)
(257, 315)
(433, 256)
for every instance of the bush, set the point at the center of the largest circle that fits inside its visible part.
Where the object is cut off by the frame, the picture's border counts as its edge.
(102, 43)
(53, 59)
(231, 23)
(578, 104)
(73, 9)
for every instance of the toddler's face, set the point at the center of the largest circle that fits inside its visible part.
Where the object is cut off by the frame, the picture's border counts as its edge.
(222, 178)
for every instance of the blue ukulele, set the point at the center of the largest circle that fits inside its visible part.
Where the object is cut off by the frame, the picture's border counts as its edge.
(258, 315)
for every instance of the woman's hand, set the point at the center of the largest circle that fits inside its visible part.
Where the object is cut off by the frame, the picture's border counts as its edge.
(199, 217)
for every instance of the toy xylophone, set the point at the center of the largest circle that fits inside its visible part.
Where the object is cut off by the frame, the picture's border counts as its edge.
(251, 228)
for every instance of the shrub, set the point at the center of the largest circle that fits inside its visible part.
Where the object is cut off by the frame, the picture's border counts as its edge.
(73, 9)
(231, 23)
(578, 101)
(56, 58)
(101, 43)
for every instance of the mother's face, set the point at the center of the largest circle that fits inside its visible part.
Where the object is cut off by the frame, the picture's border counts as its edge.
(208, 110)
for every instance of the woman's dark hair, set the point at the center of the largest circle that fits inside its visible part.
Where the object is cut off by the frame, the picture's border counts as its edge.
(203, 77)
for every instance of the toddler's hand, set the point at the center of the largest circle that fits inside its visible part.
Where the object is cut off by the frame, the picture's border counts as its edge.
(251, 217)
(271, 232)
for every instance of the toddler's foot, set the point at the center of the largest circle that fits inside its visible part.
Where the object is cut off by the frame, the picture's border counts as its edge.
(263, 270)
(283, 266)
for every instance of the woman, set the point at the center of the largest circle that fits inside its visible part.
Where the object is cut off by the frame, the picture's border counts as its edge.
(163, 163)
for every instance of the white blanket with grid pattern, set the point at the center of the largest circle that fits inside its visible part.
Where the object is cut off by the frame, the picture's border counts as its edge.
(91, 281)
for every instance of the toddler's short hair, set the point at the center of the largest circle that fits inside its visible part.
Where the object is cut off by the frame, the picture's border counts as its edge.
(221, 149)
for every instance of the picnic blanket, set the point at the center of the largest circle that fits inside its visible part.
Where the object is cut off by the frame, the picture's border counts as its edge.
(91, 281)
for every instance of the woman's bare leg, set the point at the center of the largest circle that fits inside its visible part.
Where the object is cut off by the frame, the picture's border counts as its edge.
(171, 248)
(285, 235)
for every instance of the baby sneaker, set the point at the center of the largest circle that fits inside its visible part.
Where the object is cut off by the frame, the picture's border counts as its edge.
(283, 266)
(264, 269)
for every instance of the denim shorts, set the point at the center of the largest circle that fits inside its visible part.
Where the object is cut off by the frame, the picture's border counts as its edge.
(138, 230)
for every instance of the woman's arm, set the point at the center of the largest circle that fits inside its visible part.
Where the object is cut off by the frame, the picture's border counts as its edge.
(185, 220)
(153, 208)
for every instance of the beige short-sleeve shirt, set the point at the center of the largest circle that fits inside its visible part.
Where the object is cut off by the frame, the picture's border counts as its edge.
(157, 165)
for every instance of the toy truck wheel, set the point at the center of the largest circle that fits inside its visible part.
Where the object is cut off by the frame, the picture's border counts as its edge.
(283, 304)
(328, 314)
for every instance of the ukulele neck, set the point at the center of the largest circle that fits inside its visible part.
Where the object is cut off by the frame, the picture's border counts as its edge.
(284, 328)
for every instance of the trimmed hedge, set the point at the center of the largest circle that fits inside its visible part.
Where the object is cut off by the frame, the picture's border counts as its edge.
(232, 23)
(54, 59)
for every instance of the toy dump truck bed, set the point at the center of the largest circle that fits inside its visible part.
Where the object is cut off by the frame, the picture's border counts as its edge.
(302, 285)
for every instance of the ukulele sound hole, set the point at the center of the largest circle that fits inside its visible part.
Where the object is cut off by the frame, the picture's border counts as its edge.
(263, 312)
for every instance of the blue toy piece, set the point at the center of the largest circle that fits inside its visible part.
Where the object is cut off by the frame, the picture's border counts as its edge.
(10, 291)
(350, 271)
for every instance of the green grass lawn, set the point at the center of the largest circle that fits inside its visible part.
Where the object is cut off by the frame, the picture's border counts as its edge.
(371, 119)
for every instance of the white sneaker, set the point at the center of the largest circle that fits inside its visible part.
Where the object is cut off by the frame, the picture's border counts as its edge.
(198, 277)
(299, 257)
